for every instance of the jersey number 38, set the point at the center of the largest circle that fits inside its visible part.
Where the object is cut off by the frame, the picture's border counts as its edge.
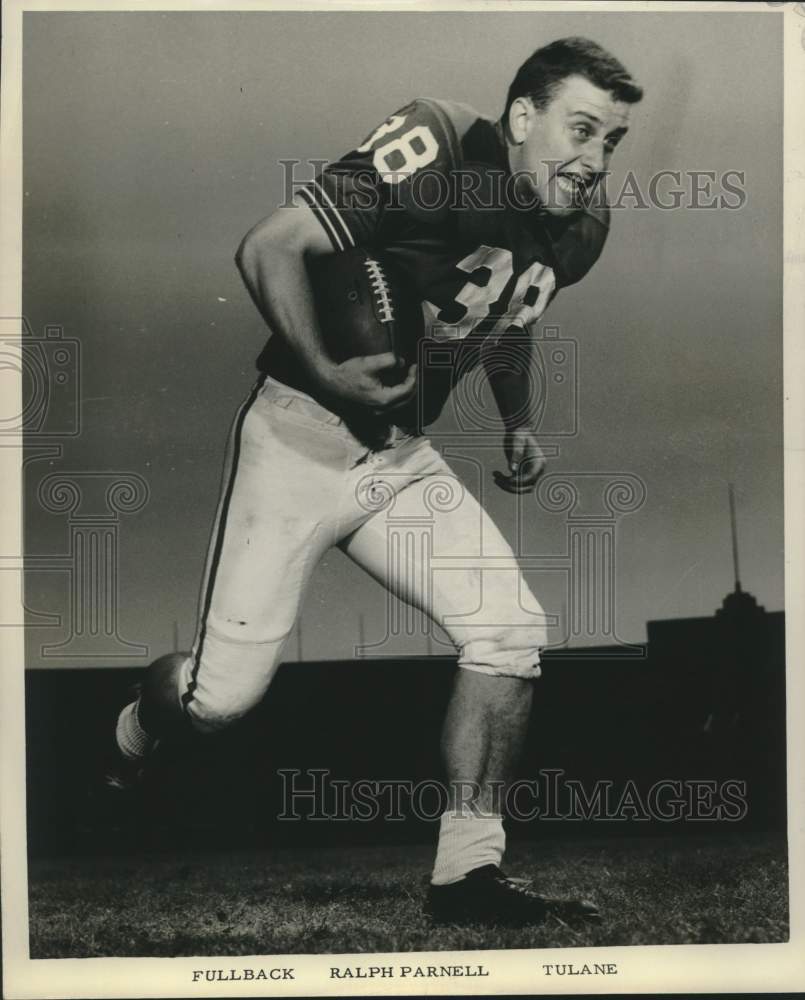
(400, 157)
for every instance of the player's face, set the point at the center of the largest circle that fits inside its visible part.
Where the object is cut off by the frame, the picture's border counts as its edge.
(563, 150)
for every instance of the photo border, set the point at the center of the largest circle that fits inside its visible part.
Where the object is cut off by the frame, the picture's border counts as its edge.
(649, 969)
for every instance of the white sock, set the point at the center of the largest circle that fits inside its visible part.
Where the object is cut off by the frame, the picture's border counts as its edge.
(133, 740)
(467, 841)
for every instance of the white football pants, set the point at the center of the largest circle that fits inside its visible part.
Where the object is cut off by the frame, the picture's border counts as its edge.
(297, 482)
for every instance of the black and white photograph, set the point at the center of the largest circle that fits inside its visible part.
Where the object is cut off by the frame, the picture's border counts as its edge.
(402, 443)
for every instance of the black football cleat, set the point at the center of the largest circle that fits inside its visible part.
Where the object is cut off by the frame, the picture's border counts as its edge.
(486, 896)
(120, 774)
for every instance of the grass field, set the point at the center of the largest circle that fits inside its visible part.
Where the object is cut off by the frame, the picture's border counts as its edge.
(342, 900)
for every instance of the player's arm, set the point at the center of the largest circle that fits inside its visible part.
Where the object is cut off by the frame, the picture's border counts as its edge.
(508, 367)
(272, 259)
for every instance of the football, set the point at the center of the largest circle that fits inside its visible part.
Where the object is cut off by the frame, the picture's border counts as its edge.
(366, 304)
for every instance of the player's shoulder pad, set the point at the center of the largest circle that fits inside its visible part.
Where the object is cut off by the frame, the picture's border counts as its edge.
(419, 134)
(453, 122)
(415, 153)
(581, 243)
(457, 118)
(432, 126)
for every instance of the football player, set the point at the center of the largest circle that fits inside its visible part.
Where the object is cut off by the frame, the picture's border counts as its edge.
(489, 220)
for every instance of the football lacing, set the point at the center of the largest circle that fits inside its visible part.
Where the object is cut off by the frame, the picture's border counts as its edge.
(381, 290)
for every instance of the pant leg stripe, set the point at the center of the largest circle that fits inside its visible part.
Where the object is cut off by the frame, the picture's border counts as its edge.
(187, 697)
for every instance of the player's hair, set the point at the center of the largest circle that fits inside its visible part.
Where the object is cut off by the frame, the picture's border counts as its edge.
(544, 70)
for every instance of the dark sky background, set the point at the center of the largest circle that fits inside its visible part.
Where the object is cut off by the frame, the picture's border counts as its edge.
(151, 144)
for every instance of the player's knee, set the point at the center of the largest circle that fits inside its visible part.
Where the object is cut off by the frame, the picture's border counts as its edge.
(505, 651)
(161, 710)
(227, 681)
(209, 715)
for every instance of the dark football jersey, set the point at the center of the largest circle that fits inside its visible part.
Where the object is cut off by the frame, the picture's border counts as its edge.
(430, 189)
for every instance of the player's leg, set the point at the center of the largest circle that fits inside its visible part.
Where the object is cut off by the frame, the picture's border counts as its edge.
(488, 612)
(286, 461)
(482, 739)
(476, 592)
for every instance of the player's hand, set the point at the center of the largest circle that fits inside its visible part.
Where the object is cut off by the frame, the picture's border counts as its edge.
(365, 381)
(526, 461)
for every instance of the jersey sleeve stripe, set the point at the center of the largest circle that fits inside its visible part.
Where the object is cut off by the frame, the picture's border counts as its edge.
(325, 223)
(327, 205)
